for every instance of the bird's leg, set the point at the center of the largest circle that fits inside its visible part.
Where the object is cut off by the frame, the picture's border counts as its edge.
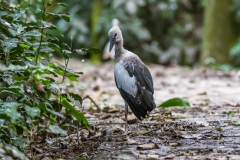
(137, 124)
(126, 114)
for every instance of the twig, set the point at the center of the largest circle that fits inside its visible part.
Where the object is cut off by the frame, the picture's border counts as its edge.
(78, 134)
(60, 149)
(88, 97)
(31, 141)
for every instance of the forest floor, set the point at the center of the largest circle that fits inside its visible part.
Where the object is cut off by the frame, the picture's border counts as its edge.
(210, 129)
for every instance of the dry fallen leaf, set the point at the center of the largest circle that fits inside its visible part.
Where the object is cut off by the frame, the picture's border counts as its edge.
(147, 146)
(179, 115)
(131, 141)
(143, 132)
(118, 128)
(152, 156)
(131, 119)
(174, 144)
(47, 158)
(106, 116)
(113, 110)
(218, 128)
(170, 156)
(188, 136)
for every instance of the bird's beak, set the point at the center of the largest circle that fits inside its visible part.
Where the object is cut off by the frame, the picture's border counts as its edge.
(112, 42)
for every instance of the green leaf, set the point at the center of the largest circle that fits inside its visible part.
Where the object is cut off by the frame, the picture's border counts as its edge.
(76, 113)
(49, 3)
(72, 77)
(91, 50)
(38, 10)
(79, 158)
(20, 142)
(76, 97)
(20, 14)
(4, 117)
(231, 113)
(175, 102)
(6, 7)
(19, 128)
(78, 72)
(32, 111)
(10, 109)
(24, 45)
(63, 4)
(48, 25)
(13, 151)
(58, 71)
(237, 123)
(4, 136)
(42, 107)
(67, 52)
(32, 33)
(80, 51)
(57, 130)
(65, 17)
(11, 43)
(53, 121)
(55, 113)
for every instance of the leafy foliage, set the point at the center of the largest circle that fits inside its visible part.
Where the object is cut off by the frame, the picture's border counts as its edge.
(32, 96)
(152, 29)
(175, 102)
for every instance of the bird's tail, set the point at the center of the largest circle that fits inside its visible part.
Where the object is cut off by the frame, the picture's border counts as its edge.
(140, 106)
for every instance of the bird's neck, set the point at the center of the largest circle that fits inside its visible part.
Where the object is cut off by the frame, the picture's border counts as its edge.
(119, 50)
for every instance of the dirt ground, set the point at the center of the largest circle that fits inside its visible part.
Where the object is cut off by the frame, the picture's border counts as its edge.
(208, 130)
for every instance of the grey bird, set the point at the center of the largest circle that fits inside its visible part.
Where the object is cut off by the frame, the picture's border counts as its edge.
(132, 78)
(106, 53)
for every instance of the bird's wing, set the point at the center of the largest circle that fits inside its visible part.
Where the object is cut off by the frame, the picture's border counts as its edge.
(142, 74)
(124, 81)
(136, 87)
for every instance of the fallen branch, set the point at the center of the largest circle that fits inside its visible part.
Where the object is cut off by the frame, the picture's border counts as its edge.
(88, 97)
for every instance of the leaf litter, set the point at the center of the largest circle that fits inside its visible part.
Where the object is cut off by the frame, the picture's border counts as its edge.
(209, 129)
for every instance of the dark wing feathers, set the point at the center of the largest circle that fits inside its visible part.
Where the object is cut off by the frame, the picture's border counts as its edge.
(143, 102)
(138, 110)
(142, 74)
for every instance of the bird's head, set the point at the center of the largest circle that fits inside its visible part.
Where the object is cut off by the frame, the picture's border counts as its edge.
(115, 36)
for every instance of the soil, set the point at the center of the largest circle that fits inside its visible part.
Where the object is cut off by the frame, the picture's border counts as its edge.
(208, 130)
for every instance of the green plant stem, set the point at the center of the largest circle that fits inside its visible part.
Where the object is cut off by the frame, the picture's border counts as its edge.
(65, 70)
(65, 73)
(66, 62)
(41, 38)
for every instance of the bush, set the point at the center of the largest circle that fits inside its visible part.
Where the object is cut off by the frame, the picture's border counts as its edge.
(32, 97)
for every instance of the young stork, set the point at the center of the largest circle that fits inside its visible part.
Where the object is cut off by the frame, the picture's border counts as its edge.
(106, 53)
(132, 78)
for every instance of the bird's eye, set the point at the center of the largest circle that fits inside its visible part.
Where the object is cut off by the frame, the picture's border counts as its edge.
(115, 34)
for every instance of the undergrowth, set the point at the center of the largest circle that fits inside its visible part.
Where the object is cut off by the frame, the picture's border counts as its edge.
(33, 97)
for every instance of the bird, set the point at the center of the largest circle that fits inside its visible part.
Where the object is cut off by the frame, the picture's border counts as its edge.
(132, 78)
(106, 53)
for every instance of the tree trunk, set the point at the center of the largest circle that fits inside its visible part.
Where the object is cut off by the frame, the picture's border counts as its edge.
(96, 11)
(217, 33)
